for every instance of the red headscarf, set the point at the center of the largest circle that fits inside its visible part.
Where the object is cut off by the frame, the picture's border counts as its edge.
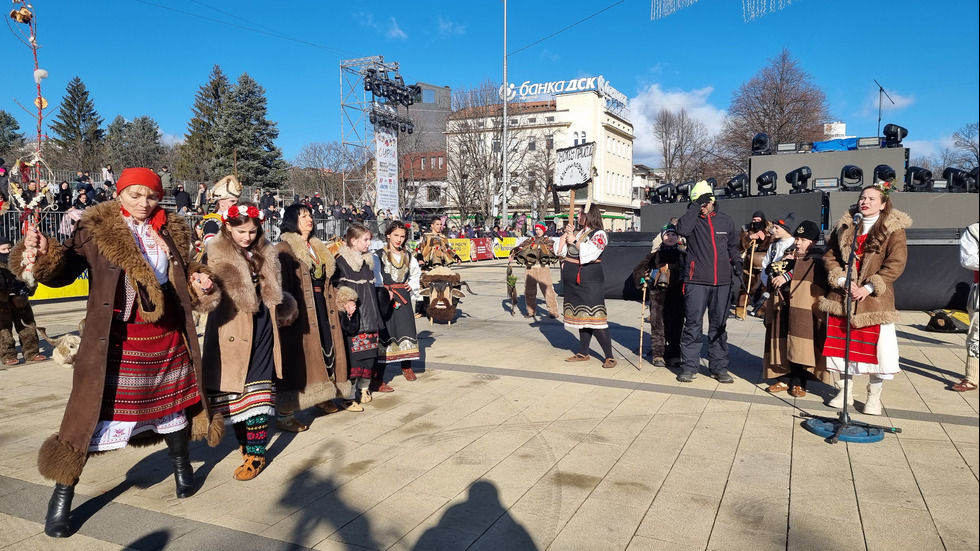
(141, 176)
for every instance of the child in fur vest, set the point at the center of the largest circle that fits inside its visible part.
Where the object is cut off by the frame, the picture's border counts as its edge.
(241, 342)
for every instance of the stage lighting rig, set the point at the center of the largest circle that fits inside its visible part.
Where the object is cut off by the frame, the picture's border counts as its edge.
(393, 89)
(957, 180)
(851, 178)
(738, 186)
(799, 179)
(972, 179)
(884, 172)
(761, 144)
(385, 117)
(683, 192)
(663, 194)
(766, 182)
(894, 134)
(918, 179)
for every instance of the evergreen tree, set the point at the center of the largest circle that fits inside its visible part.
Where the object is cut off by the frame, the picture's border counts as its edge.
(77, 128)
(198, 149)
(245, 140)
(115, 143)
(10, 138)
(143, 147)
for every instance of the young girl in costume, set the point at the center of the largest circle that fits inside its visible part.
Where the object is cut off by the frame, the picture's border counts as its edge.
(399, 273)
(360, 317)
(881, 255)
(241, 342)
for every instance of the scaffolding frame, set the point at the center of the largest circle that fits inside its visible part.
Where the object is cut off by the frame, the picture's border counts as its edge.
(357, 134)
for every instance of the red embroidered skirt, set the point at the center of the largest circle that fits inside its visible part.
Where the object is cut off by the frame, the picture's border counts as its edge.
(149, 372)
(864, 341)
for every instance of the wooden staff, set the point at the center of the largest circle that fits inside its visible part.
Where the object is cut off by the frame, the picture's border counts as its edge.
(643, 305)
(748, 287)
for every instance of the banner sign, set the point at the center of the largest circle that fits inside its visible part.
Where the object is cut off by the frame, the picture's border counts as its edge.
(503, 245)
(461, 247)
(616, 101)
(482, 248)
(573, 166)
(387, 160)
(78, 288)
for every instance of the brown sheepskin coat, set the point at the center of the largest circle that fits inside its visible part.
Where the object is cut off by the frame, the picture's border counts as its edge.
(796, 329)
(228, 335)
(104, 245)
(305, 381)
(883, 261)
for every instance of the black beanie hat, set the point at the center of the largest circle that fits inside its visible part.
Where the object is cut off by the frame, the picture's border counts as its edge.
(787, 222)
(808, 230)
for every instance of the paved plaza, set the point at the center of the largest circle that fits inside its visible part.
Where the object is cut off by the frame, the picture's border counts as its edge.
(501, 445)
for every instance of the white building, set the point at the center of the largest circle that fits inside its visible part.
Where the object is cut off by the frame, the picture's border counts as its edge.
(592, 112)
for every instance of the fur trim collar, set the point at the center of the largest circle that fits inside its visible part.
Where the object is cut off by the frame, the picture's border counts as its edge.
(117, 244)
(355, 259)
(295, 242)
(897, 220)
(236, 277)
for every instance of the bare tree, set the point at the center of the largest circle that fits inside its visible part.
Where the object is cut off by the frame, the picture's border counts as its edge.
(683, 144)
(474, 144)
(965, 140)
(780, 100)
(320, 165)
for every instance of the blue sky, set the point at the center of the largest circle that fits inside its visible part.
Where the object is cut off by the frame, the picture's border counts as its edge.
(150, 57)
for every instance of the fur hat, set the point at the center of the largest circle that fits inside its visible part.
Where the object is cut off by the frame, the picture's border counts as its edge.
(807, 230)
(787, 222)
(226, 188)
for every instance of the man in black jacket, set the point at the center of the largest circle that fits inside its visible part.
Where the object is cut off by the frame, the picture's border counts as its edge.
(712, 257)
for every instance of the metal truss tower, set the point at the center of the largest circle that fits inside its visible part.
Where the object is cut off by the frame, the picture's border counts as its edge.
(357, 134)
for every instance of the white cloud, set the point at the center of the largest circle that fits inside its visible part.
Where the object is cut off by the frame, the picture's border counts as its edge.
(869, 106)
(449, 28)
(366, 20)
(649, 101)
(171, 139)
(927, 148)
(394, 31)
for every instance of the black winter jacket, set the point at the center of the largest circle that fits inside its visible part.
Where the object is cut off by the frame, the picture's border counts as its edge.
(712, 246)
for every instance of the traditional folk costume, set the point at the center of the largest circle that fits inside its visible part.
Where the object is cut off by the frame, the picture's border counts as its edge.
(434, 250)
(537, 254)
(969, 245)
(16, 316)
(795, 327)
(355, 271)
(584, 289)
(399, 273)
(752, 262)
(242, 348)
(666, 295)
(313, 351)
(137, 378)
(874, 343)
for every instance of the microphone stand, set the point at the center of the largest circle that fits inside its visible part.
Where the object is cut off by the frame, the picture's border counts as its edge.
(858, 431)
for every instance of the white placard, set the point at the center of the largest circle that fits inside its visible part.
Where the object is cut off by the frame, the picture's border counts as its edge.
(386, 142)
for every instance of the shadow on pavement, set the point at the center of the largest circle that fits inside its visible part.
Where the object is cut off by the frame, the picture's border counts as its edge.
(481, 513)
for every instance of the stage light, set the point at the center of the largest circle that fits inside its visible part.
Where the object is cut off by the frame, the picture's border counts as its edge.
(799, 179)
(683, 192)
(373, 118)
(894, 134)
(851, 178)
(784, 148)
(884, 172)
(918, 179)
(766, 182)
(403, 127)
(761, 144)
(872, 142)
(711, 182)
(369, 76)
(738, 186)
(957, 180)
(664, 194)
(972, 181)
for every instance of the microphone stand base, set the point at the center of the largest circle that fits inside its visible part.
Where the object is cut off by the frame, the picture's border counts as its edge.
(844, 429)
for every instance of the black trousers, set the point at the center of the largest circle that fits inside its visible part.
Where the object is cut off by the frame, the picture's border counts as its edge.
(715, 299)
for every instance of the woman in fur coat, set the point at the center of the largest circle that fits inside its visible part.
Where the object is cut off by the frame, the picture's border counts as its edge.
(139, 379)
(241, 341)
(881, 256)
(313, 346)
(360, 318)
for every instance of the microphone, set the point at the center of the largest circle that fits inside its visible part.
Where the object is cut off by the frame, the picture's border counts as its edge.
(760, 303)
(858, 217)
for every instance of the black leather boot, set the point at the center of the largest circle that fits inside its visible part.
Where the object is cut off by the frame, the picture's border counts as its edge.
(59, 511)
(181, 459)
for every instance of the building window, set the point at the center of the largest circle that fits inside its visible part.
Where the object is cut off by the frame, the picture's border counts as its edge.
(575, 138)
(479, 123)
(583, 138)
(428, 96)
(433, 193)
(549, 119)
(442, 160)
(423, 163)
(531, 144)
(513, 122)
(532, 120)
(432, 163)
(549, 141)
(496, 146)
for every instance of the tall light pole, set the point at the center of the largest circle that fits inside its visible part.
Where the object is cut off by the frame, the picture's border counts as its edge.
(506, 177)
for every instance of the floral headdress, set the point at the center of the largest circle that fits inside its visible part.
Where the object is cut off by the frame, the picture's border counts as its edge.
(233, 211)
(885, 187)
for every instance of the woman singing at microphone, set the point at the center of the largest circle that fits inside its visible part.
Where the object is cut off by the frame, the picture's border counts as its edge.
(881, 253)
